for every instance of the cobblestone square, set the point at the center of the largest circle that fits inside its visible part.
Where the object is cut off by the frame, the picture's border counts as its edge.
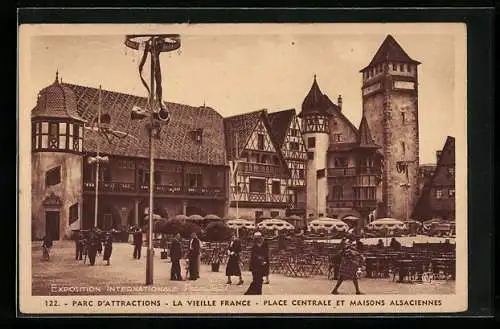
(63, 275)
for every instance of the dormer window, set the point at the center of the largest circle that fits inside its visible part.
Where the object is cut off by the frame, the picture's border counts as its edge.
(197, 135)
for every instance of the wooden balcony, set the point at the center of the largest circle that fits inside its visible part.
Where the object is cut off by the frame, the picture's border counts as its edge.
(337, 172)
(262, 169)
(116, 187)
(355, 204)
(169, 190)
(352, 171)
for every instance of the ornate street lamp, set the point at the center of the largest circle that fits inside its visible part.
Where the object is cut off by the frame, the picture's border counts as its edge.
(152, 45)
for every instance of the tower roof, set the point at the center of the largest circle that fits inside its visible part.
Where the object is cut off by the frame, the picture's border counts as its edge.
(365, 139)
(57, 101)
(315, 102)
(390, 50)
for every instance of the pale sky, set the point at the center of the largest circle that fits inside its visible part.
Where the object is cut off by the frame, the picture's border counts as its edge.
(240, 73)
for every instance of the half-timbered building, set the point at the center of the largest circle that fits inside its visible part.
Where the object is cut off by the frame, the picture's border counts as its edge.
(268, 155)
(437, 199)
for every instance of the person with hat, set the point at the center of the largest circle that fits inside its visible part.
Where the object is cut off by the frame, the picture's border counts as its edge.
(137, 235)
(79, 245)
(175, 257)
(257, 265)
(233, 263)
(193, 257)
(351, 261)
(93, 242)
(108, 247)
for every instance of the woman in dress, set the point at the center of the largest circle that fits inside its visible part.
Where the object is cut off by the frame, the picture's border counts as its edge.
(257, 265)
(351, 261)
(108, 247)
(233, 263)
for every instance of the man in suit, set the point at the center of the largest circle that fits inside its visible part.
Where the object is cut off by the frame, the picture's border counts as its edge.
(137, 243)
(175, 257)
(193, 256)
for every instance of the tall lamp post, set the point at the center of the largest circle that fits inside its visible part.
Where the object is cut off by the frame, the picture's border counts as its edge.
(234, 169)
(152, 45)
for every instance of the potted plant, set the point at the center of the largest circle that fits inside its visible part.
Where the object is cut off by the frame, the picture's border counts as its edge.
(217, 232)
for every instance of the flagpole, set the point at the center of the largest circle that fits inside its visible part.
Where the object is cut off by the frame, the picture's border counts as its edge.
(149, 262)
(97, 158)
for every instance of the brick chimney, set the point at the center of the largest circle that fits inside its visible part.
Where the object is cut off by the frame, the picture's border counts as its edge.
(339, 102)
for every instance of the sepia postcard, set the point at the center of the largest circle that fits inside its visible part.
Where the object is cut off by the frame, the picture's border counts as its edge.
(242, 168)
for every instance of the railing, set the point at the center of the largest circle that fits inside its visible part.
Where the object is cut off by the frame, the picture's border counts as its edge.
(352, 171)
(120, 187)
(110, 186)
(259, 168)
(335, 172)
(369, 203)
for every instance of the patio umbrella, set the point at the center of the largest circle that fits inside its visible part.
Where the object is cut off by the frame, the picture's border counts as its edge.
(247, 217)
(195, 218)
(275, 224)
(294, 217)
(351, 218)
(181, 217)
(212, 217)
(229, 217)
(155, 216)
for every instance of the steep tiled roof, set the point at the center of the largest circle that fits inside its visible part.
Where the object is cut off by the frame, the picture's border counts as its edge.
(390, 50)
(56, 101)
(333, 108)
(314, 102)
(238, 129)
(280, 121)
(365, 139)
(176, 142)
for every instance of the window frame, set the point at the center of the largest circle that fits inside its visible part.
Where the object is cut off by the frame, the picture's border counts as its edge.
(57, 169)
(276, 187)
(251, 186)
(311, 141)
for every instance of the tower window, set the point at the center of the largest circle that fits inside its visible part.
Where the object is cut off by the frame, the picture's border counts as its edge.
(260, 141)
(301, 173)
(403, 117)
(337, 137)
(403, 147)
(53, 176)
(401, 67)
(294, 132)
(439, 194)
(311, 142)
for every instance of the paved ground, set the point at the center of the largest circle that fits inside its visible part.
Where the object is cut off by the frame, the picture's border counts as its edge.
(63, 275)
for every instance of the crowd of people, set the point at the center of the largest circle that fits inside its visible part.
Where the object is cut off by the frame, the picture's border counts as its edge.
(347, 262)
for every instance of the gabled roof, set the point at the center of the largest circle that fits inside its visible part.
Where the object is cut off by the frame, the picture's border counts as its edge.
(365, 139)
(314, 102)
(243, 125)
(176, 142)
(280, 121)
(390, 50)
(237, 131)
(333, 108)
(56, 101)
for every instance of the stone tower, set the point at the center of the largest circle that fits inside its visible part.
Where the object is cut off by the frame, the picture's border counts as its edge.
(56, 160)
(315, 117)
(390, 106)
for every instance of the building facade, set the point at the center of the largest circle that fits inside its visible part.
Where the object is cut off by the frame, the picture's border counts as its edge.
(191, 172)
(267, 152)
(343, 166)
(255, 165)
(437, 199)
